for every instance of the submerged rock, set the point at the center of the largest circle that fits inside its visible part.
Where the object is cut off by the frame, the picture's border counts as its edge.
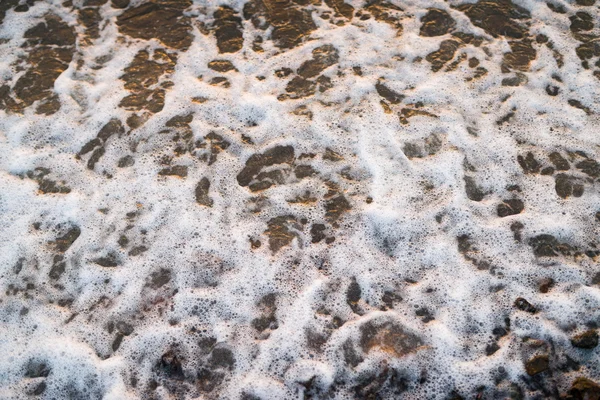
(158, 19)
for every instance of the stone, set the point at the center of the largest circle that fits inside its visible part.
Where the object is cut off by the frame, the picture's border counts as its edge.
(388, 94)
(586, 340)
(322, 58)
(444, 54)
(341, 8)
(560, 163)
(221, 66)
(473, 191)
(252, 176)
(50, 46)
(317, 232)
(336, 207)
(176, 170)
(584, 389)
(292, 23)
(62, 243)
(589, 167)
(170, 365)
(436, 23)
(160, 278)
(388, 336)
(536, 365)
(529, 164)
(141, 80)
(524, 305)
(158, 19)
(202, 190)
(125, 161)
(228, 30)
(510, 207)
(281, 231)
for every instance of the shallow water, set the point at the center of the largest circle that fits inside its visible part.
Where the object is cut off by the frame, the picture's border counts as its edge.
(278, 199)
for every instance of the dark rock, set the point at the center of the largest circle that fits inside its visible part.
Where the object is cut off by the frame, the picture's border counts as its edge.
(498, 18)
(156, 19)
(160, 278)
(125, 328)
(142, 77)
(137, 250)
(37, 369)
(208, 380)
(62, 243)
(300, 87)
(351, 357)
(524, 305)
(58, 267)
(336, 207)
(281, 231)
(317, 232)
(95, 157)
(529, 164)
(584, 389)
(546, 284)
(222, 357)
(473, 191)
(228, 30)
(444, 54)
(291, 21)
(521, 55)
(331, 155)
(579, 105)
(426, 315)
(220, 81)
(117, 342)
(559, 161)
(119, 4)
(304, 171)
(126, 161)
(388, 94)
(50, 46)
(221, 66)
(557, 8)
(390, 298)
(547, 171)
(109, 261)
(39, 389)
(552, 90)
(518, 80)
(589, 167)
(353, 294)
(341, 8)
(170, 366)
(510, 207)
(581, 22)
(585, 340)
(491, 348)
(537, 365)
(202, 190)
(252, 177)
(46, 185)
(545, 246)
(217, 145)
(283, 72)
(436, 23)
(176, 170)
(388, 336)
(322, 58)
(565, 186)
